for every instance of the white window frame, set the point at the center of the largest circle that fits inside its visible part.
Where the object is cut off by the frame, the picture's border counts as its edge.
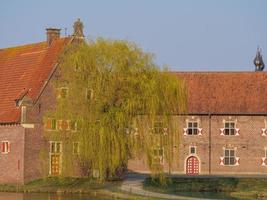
(91, 94)
(55, 153)
(23, 114)
(264, 159)
(236, 159)
(78, 148)
(60, 90)
(199, 130)
(7, 147)
(160, 157)
(51, 129)
(190, 147)
(236, 130)
(75, 124)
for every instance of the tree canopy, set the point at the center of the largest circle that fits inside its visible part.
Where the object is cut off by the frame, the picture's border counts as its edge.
(121, 103)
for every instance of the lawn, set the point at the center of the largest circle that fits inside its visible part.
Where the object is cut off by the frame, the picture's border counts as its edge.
(236, 188)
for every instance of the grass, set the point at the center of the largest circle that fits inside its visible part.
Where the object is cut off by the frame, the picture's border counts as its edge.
(236, 188)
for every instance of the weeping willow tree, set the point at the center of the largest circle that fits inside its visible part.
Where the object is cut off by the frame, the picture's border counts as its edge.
(122, 104)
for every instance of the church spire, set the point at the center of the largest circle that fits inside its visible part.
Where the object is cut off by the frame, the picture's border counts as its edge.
(258, 61)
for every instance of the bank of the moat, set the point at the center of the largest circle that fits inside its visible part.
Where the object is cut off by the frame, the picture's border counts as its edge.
(196, 187)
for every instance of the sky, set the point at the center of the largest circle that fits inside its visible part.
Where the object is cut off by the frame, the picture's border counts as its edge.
(186, 35)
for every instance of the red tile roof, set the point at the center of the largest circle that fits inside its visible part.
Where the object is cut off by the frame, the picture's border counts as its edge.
(226, 92)
(24, 71)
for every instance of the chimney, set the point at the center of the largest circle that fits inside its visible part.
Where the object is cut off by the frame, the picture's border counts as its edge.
(52, 35)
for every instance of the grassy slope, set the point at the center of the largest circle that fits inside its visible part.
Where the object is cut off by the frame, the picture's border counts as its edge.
(241, 188)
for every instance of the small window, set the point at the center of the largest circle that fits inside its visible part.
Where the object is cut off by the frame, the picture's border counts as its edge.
(192, 128)
(63, 92)
(50, 124)
(89, 94)
(158, 155)
(229, 157)
(73, 125)
(158, 127)
(75, 148)
(192, 150)
(23, 113)
(229, 128)
(55, 147)
(5, 147)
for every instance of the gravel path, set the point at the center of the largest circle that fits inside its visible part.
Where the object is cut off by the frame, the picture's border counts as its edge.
(134, 184)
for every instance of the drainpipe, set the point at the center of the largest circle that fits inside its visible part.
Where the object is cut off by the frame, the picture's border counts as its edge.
(209, 143)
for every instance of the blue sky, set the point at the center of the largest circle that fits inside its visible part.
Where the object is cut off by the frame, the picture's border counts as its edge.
(199, 35)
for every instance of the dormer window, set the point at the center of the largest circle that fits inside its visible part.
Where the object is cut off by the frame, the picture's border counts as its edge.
(23, 114)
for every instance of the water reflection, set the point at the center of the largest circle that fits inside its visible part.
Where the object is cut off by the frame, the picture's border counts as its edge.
(48, 196)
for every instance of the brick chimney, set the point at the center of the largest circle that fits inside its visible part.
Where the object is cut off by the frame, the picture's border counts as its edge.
(52, 34)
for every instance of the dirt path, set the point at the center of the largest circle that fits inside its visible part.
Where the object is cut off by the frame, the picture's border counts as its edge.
(133, 183)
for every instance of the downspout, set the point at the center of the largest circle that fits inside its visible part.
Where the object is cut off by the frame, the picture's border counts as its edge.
(209, 143)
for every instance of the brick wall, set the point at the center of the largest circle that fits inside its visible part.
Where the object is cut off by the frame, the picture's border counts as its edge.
(249, 145)
(12, 163)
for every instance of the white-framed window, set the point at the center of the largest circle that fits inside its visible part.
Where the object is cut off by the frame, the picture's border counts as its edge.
(63, 92)
(192, 128)
(73, 125)
(229, 129)
(192, 149)
(50, 124)
(23, 114)
(264, 131)
(229, 157)
(264, 158)
(158, 156)
(5, 147)
(75, 148)
(89, 94)
(158, 127)
(55, 147)
(66, 125)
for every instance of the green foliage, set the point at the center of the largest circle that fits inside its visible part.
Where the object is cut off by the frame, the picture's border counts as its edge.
(116, 94)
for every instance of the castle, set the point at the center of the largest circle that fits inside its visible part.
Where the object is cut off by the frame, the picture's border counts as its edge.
(224, 132)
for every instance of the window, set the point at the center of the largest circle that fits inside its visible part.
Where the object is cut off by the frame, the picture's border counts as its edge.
(229, 128)
(73, 125)
(23, 113)
(55, 147)
(264, 159)
(75, 148)
(51, 124)
(63, 92)
(89, 94)
(158, 155)
(5, 147)
(229, 157)
(158, 127)
(192, 128)
(192, 150)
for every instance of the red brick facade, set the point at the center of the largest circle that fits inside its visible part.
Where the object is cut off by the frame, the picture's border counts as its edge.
(249, 146)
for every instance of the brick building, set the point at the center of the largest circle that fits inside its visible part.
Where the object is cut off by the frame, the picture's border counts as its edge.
(224, 132)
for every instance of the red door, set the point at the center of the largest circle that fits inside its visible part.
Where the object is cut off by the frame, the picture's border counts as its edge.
(192, 166)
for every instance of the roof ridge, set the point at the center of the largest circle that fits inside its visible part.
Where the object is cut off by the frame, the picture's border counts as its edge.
(30, 44)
